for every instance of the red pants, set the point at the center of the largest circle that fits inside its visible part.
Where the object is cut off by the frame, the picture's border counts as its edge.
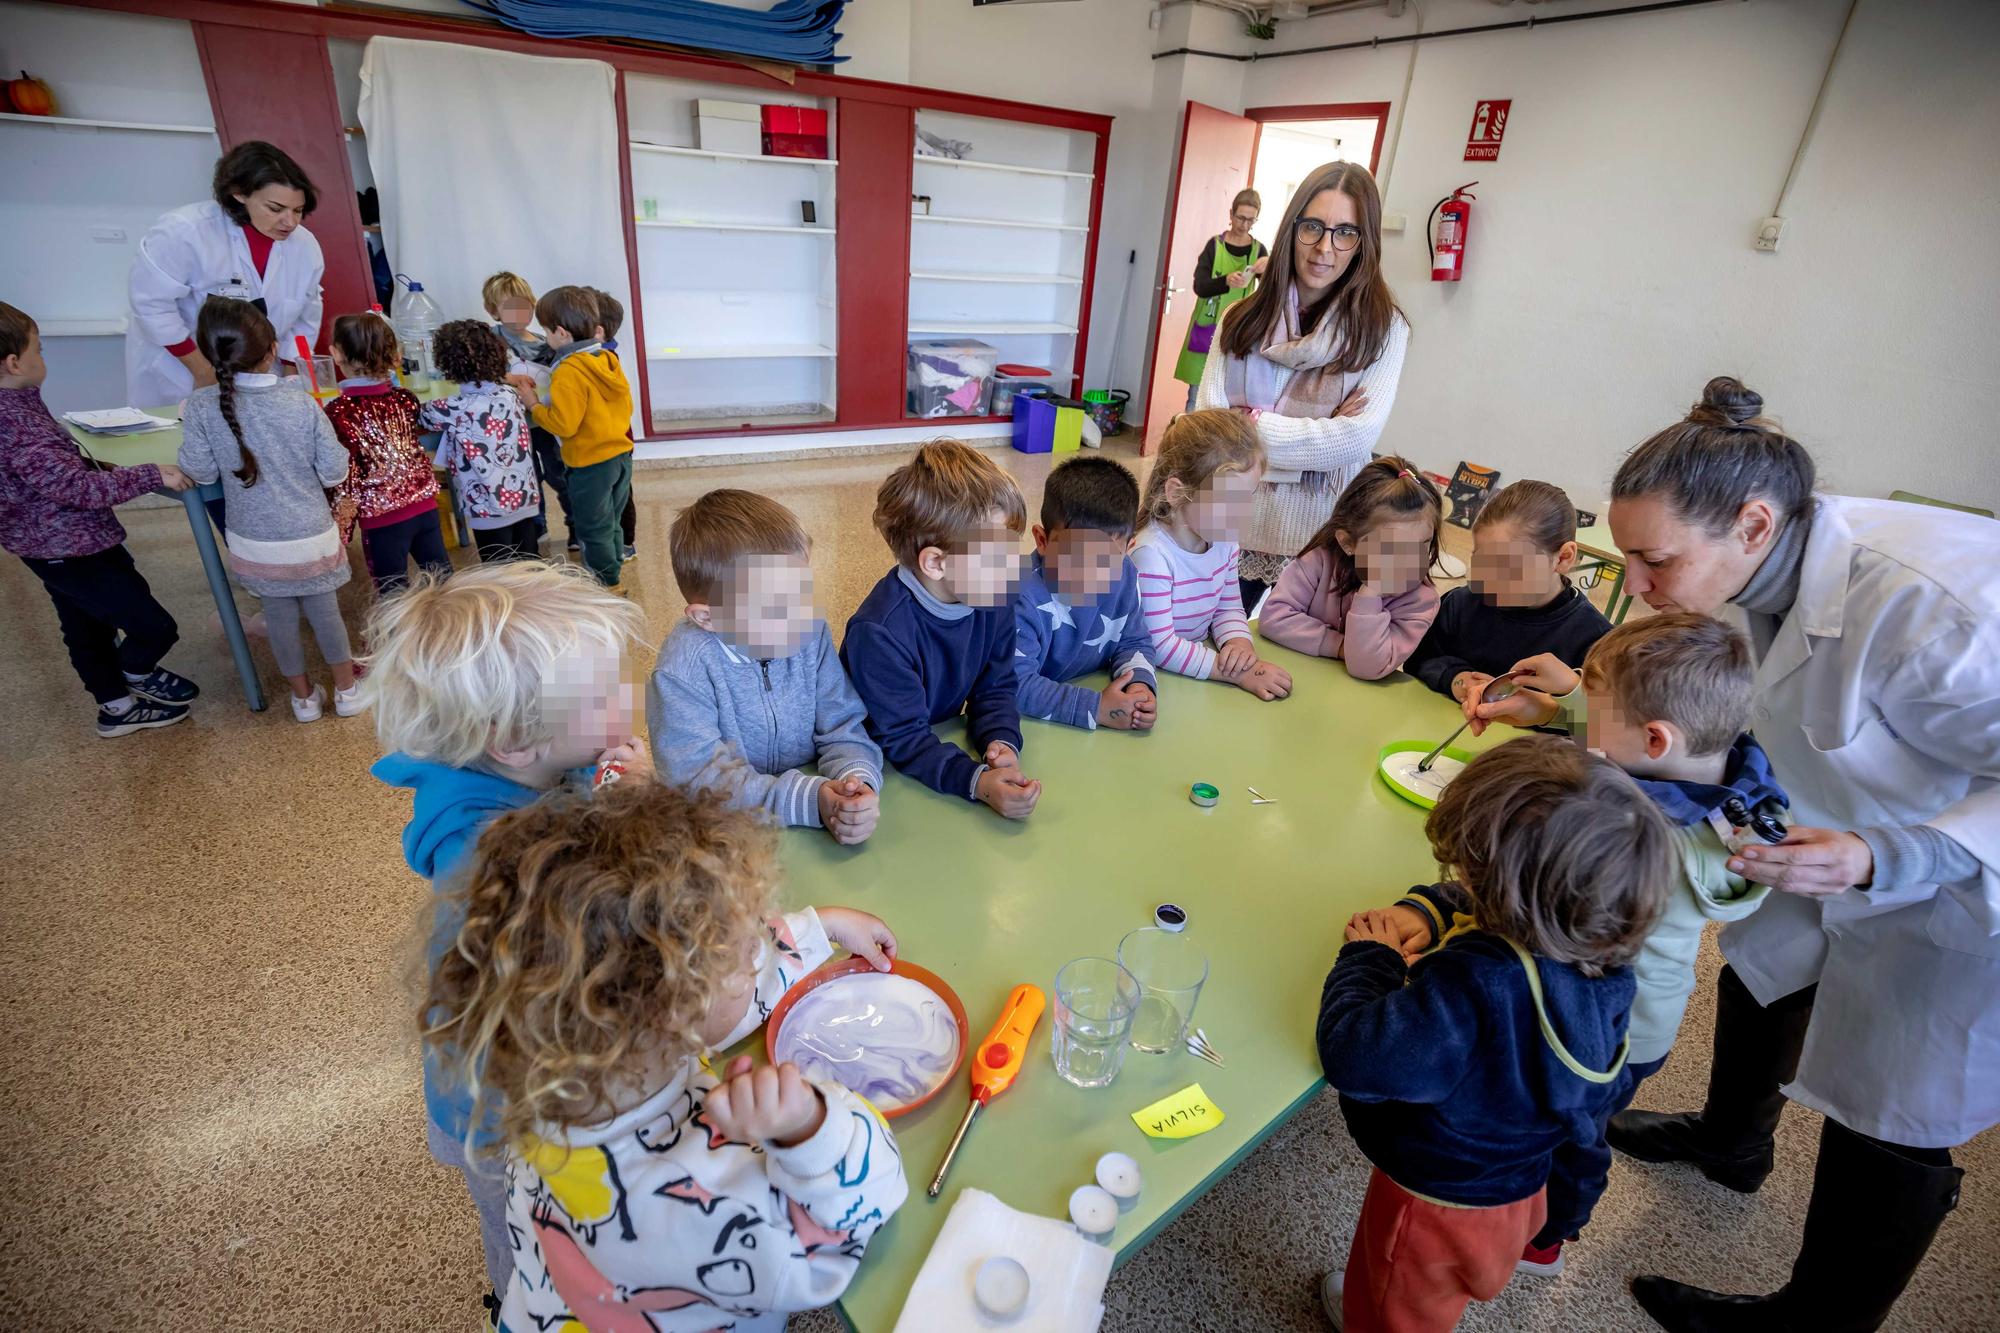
(1416, 1265)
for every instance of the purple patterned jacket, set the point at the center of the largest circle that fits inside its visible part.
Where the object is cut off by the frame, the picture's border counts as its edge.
(54, 502)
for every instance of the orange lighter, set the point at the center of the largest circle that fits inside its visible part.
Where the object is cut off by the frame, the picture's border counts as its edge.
(996, 1062)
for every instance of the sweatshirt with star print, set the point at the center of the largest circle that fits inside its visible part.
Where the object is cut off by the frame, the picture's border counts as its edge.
(1057, 640)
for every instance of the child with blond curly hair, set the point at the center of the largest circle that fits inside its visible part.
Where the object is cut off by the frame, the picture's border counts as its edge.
(602, 947)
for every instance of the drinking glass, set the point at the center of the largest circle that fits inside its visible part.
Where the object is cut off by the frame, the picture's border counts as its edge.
(1171, 970)
(1095, 1001)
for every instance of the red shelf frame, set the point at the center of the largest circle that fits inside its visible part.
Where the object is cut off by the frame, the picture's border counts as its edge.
(262, 97)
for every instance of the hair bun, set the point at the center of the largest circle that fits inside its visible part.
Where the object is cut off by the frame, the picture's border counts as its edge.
(1727, 401)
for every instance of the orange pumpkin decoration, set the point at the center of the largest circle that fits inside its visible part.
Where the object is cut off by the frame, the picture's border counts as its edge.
(30, 96)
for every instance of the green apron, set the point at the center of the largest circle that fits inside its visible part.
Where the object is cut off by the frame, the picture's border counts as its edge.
(1208, 310)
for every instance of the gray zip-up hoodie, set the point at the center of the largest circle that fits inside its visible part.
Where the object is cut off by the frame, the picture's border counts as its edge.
(772, 731)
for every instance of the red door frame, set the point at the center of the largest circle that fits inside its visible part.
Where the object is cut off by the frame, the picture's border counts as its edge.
(1265, 115)
(633, 58)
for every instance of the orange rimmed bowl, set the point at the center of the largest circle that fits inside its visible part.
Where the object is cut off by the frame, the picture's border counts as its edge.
(923, 976)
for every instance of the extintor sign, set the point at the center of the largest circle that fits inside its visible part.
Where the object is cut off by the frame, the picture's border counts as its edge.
(1489, 122)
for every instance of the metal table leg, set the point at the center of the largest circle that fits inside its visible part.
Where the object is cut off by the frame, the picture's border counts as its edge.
(218, 586)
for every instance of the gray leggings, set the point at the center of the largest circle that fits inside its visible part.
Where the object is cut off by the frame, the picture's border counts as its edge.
(281, 618)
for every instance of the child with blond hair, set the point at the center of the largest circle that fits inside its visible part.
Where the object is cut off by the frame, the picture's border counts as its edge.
(647, 1188)
(490, 690)
(748, 696)
(935, 638)
(511, 302)
(1196, 502)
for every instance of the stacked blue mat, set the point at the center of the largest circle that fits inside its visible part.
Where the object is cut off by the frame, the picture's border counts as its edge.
(799, 32)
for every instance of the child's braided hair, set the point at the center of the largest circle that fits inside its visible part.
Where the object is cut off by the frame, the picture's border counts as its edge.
(235, 337)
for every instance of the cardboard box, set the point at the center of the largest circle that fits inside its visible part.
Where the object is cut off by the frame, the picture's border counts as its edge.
(728, 127)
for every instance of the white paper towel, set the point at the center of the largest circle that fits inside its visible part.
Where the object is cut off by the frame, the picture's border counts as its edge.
(1067, 1273)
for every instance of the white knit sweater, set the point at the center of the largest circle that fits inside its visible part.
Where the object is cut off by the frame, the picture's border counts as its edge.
(1287, 513)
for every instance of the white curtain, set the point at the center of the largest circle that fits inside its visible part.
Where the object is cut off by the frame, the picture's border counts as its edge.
(489, 160)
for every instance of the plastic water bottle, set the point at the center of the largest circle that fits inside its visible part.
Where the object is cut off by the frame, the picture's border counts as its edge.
(415, 317)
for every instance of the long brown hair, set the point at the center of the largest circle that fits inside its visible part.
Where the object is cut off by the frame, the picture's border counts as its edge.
(1386, 489)
(1360, 299)
(235, 337)
(1559, 850)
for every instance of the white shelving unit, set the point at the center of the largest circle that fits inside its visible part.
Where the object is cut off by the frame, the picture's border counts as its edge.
(998, 239)
(730, 270)
(134, 138)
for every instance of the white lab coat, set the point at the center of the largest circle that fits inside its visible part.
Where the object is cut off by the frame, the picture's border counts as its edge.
(1879, 704)
(194, 253)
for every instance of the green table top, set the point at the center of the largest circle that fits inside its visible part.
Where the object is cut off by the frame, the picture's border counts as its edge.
(164, 446)
(986, 904)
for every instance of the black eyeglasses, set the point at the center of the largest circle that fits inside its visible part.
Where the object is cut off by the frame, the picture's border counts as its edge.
(1310, 230)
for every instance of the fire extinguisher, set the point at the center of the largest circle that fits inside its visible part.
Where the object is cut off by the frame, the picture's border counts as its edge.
(1448, 253)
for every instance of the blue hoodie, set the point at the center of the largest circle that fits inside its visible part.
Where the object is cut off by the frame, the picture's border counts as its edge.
(1445, 1076)
(450, 809)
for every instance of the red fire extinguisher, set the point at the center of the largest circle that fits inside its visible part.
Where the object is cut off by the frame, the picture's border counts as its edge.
(1448, 253)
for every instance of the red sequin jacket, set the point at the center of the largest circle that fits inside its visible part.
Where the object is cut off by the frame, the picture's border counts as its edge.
(391, 478)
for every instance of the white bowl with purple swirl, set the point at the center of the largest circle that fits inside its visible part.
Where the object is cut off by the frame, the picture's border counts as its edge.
(893, 1038)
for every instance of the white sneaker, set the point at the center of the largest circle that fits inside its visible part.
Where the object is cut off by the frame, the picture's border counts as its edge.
(348, 702)
(308, 708)
(1331, 1288)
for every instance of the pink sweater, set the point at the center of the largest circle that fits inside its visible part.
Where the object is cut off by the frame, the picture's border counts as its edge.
(1372, 634)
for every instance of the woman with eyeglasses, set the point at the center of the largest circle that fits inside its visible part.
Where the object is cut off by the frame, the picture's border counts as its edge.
(1226, 272)
(1313, 356)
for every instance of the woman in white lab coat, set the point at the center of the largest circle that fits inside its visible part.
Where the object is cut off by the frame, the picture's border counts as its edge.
(1868, 988)
(249, 243)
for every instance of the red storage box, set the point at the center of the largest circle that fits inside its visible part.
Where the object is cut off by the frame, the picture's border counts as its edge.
(794, 131)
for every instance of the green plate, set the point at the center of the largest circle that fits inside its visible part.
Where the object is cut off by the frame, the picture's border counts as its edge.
(1415, 750)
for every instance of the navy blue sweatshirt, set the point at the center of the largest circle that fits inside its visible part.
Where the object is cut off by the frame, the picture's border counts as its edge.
(1445, 1077)
(1472, 634)
(916, 661)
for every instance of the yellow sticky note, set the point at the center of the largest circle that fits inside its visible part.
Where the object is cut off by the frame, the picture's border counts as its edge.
(1182, 1115)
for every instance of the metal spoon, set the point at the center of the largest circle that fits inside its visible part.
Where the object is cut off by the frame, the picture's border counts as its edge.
(1500, 687)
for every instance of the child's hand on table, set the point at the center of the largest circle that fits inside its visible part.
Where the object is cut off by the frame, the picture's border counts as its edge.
(1372, 927)
(849, 809)
(1266, 680)
(1411, 929)
(1127, 705)
(860, 934)
(1234, 658)
(1009, 792)
(773, 1103)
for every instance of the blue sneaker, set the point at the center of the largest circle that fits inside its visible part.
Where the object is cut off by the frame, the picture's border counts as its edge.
(143, 715)
(163, 687)
(631, 552)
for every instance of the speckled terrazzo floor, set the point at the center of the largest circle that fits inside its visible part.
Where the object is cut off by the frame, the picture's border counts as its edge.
(215, 1107)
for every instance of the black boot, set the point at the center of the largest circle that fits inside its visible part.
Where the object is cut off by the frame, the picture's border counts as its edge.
(1731, 1139)
(1875, 1209)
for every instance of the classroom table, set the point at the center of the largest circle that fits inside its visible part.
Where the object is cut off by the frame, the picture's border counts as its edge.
(1601, 553)
(986, 903)
(164, 446)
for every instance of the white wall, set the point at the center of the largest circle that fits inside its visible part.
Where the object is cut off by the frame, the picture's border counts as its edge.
(1610, 271)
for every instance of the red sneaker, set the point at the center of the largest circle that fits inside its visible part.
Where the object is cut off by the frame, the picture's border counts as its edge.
(1542, 1263)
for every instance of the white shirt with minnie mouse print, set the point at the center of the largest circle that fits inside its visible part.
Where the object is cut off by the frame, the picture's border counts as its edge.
(653, 1223)
(487, 452)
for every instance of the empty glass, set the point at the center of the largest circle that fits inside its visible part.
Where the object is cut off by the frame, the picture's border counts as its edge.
(1170, 969)
(1095, 1001)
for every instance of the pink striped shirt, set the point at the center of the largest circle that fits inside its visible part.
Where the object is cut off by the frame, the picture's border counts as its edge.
(1186, 598)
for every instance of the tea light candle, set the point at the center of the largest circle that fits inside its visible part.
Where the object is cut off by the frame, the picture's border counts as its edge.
(1119, 1175)
(1094, 1212)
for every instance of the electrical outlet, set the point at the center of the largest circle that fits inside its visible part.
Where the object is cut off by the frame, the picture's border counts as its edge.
(1769, 232)
(1395, 221)
(107, 233)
